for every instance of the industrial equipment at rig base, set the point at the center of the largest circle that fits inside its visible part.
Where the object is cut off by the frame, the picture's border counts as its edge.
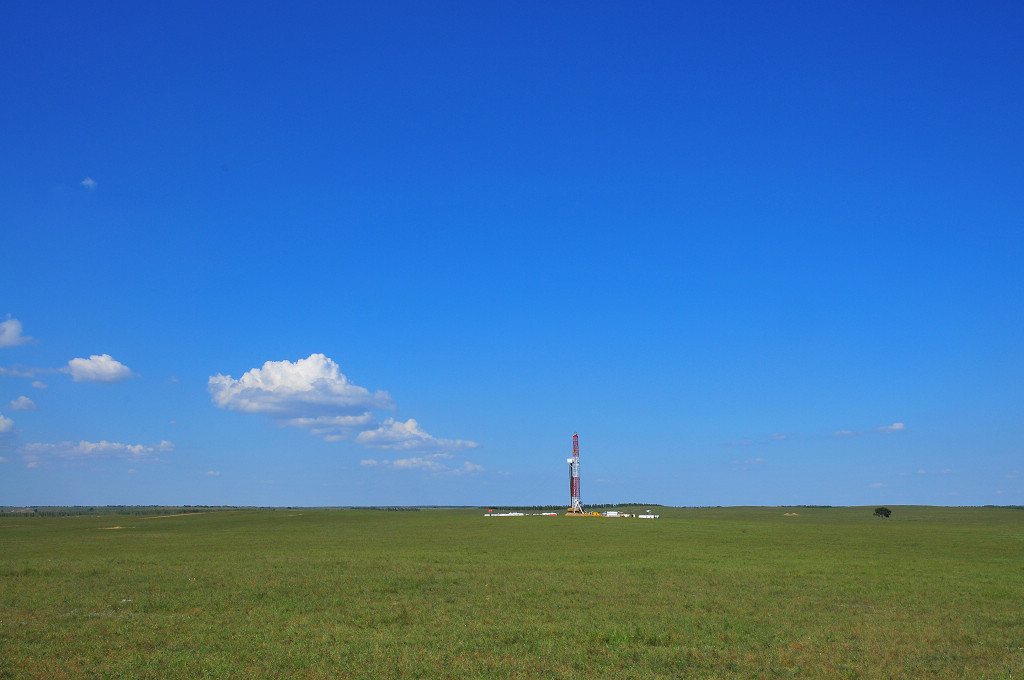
(575, 504)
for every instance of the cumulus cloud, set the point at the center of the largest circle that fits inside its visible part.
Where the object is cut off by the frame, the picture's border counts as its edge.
(10, 333)
(89, 183)
(313, 394)
(895, 427)
(310, 387)
(72, 452)
(6, 424)
(98, 368)
(23, 403)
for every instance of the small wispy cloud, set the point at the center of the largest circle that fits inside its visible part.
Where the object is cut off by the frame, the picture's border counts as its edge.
(89, 183)
(10, 333)
(760, 441)
(408, 436)
(437, 463)
(98, 368)
(746, 464)
(878, 485)
(36, 453)
(19, 371)
(885, 429)
(212, 473)
(39, 384)
(23, 403)
(6, 424)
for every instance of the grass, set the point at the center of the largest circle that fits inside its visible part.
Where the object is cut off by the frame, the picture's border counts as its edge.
(721, 593)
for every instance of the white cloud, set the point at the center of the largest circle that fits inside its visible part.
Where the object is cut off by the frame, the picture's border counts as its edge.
(89, 183)
(745, 464)
(23, 403)
(10, 333)
(844, 433)
(333, 428)
(430, 463)
(308, 388)
(433, 462)
(212, 473)
(408, 436)
(70, 452)
(780, 436)
(19, 371)
(895, 427)
(39, 384)
(6, 424)
(98, 368)
(314, 394)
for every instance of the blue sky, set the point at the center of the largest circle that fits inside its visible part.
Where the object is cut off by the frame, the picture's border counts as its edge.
(397, 253)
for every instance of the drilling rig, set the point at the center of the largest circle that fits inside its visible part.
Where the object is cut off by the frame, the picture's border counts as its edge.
(575, 506)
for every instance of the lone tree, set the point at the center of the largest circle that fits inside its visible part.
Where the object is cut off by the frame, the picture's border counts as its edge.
(882, 512)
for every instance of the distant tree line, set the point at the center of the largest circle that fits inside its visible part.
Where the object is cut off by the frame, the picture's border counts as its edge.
(128, 510)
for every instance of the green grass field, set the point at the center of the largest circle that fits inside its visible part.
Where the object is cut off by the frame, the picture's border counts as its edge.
(703, 593)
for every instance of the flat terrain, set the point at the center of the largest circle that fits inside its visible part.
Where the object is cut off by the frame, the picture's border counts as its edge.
(703, 593)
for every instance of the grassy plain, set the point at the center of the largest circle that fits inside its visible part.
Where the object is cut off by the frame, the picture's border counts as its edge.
(702, 593)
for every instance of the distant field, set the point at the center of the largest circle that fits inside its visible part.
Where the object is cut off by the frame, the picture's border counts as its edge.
(704, 593)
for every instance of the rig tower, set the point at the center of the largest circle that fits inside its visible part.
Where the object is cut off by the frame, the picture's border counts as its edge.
(574, 476)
